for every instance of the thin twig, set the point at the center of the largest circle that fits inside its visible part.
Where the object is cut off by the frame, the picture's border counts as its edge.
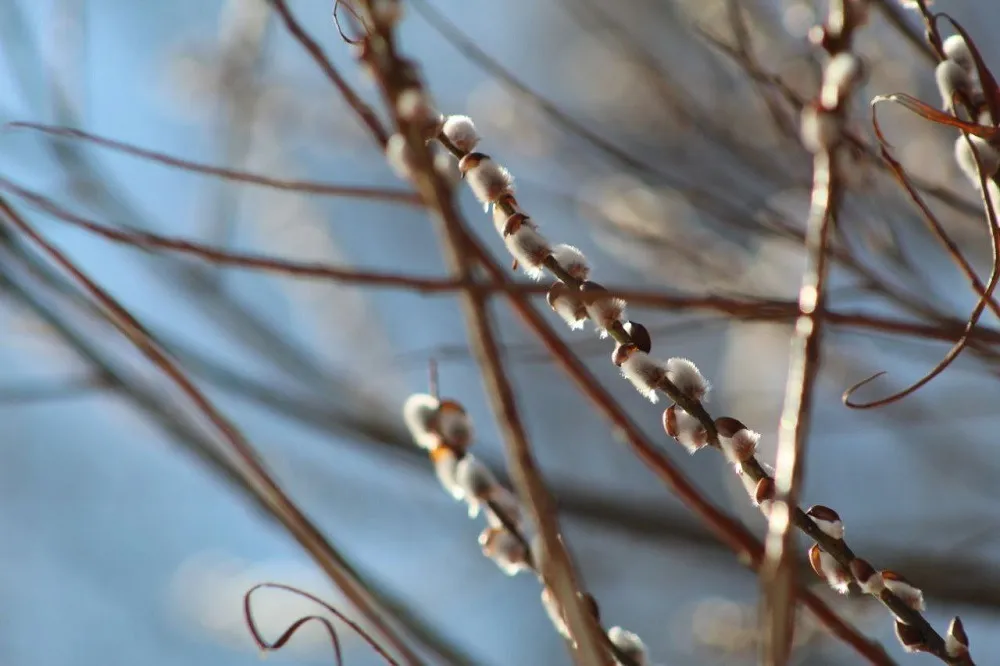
(257, 475)
(763, 309)
(556, 566)
(304, 186)
(727, 530)
(315, 51)
(45, 391)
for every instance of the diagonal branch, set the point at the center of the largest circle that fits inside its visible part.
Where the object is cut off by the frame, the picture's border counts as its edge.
(315, 51)
(249, 463)
(762, 309)
(554, 562)
(304, 186)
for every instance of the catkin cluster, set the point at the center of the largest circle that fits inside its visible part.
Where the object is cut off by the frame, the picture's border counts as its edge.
(577, 301)
(444, 430)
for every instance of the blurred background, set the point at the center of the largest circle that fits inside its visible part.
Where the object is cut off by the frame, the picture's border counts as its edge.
(659, 137)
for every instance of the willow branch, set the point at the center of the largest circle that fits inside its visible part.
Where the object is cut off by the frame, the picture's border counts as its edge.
(303, 186)
(251, 466)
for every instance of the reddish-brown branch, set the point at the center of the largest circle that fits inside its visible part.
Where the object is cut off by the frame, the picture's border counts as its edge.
(258, 478)
(730, 532)
(360, 107)
(555, 566)
(760, 309)
(303, 186)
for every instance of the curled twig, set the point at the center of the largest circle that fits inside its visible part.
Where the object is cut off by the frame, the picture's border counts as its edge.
(985, 296)
(287, 635)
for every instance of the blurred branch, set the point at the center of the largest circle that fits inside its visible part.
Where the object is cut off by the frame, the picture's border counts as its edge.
(45, 391)
(178, 427)
(555, 565)
(243, 30)
(302, 186)
(256, 475)
(743, 308)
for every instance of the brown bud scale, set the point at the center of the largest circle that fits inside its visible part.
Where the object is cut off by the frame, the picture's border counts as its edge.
(471, 161)
(727, 426)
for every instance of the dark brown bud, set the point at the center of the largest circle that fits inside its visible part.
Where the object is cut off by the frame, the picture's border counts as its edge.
(514, 223)
(864, 573)
(590, 603)
(956, 642)
(911, 637)
(506, 202)
(471, 161)
(820, 512)
(827, 520)
(904, 589)
(452, 425)
(591, 292)
(639, 335)
(727, 426)
(821, 37)
(829, 569)
(622, 353)
(670, 421)
(895, 577)
(556, 291)
(764, 491)
(815, 559)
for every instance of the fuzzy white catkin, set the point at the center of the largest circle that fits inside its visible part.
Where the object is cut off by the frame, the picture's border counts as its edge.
(740, 447)
(957, 50)
(419, 412)
(840, 74)
(951, 79)
(479, 486)
(834, 573)
(644, 372)
(690, 433)
(488, 181)
(630, 644)
(833, 529)
(500, 218)
(684, 374)
(605, 313)
(445, 465)
(989, 158)
(505, 549)
(506, 503)
(910, 595)
(571, 260)
(461, 131)
(819, 129)
(474, 477)
(568, 308)
(530, 249)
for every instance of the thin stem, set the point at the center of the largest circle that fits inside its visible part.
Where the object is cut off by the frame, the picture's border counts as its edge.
(307, 534)
(762, 309)
(556, 565)
(315, 51)
(304, 186)
(778, 575)
(733, 534)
